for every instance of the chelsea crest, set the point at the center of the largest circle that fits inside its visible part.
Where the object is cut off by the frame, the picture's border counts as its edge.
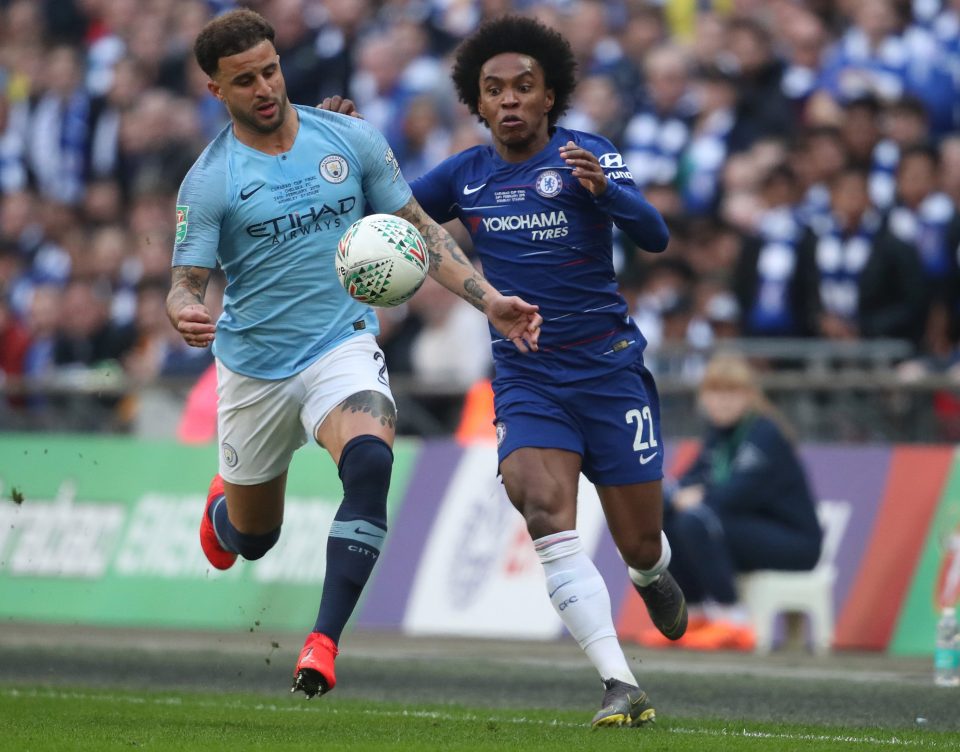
(549, 183)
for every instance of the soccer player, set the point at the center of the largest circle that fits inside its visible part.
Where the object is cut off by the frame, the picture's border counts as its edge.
(539, 205)
(296, 357)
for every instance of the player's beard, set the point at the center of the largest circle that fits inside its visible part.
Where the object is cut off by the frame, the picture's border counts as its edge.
(259, 125)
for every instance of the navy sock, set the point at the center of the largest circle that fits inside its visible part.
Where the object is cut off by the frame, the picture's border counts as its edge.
(250, 547)
(358, 530)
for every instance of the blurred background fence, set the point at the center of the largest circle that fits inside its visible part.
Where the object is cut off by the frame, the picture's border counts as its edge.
(830, 391)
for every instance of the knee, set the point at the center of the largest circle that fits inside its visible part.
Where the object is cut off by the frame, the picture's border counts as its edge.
(688, 529)
(253, 547)
(643, 552)
(812, 552)
(365, 467)
(541, 522)
(365, 458)
(541, 507)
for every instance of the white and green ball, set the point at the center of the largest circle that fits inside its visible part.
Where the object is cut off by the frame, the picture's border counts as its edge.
(382, 260)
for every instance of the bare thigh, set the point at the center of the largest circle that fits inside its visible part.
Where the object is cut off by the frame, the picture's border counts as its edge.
(542, 485)
(364, 413)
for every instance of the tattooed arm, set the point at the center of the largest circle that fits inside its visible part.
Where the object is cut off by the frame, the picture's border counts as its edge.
(185, 307)
(513, 317)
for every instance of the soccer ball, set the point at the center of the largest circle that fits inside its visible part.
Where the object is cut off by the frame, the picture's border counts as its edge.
(381, 260)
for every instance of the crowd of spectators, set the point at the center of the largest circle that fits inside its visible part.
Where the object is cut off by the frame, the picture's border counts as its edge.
(805, 153)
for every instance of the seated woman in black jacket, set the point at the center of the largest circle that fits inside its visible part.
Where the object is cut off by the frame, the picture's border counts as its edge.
(743, 505)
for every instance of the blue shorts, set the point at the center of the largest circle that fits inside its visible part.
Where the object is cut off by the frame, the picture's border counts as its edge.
(612, 422)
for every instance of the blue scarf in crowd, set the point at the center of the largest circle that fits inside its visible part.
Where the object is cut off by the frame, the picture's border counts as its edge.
(926, 230)
(840, 260)
(771, 314)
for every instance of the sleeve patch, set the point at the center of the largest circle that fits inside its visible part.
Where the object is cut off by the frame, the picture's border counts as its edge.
(182, 211)
(611, 161)
(392, 162)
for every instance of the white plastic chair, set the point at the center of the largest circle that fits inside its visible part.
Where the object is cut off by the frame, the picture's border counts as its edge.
(767, 593)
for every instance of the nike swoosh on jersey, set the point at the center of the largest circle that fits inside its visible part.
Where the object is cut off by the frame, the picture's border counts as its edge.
(245, 196)
(645, 459)
(467, 190)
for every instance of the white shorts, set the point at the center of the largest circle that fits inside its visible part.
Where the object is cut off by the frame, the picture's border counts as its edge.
(261, 423)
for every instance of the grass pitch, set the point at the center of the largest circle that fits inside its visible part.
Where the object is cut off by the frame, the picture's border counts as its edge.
(64, 689)
(50, 720)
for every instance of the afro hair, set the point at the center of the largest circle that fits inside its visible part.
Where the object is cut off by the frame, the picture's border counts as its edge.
(525, 36)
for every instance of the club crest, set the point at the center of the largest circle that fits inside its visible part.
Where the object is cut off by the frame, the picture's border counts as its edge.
(549, 183)
(334, 168)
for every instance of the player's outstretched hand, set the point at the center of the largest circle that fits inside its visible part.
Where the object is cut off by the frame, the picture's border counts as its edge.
(340, 104)
(195, 325)
(586, 167)
(517, 320)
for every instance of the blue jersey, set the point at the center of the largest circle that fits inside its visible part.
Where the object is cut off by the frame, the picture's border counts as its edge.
(272, 222)
(542, 236)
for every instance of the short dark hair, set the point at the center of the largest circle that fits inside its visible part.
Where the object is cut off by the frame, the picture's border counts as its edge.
(780, 172)
(922, 149)
(909, 104)
(752, 26)
(230, 34)
(851, 169)
(869, 102)
(524, 36)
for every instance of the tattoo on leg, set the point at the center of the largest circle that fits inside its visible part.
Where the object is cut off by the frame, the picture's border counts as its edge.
(374, 403)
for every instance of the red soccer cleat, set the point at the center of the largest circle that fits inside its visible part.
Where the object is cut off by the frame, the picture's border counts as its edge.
(216, 554)
(314, 673)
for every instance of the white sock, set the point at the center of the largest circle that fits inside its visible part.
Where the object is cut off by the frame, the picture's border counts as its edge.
(579, 596)
(643, 577)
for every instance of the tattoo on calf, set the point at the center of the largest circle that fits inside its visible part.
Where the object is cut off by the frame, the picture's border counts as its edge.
(374, 403)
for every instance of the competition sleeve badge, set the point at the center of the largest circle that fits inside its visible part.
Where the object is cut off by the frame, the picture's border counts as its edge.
(392, 162)
(182, 211)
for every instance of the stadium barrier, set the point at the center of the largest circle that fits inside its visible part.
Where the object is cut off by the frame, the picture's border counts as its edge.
(834, 391)
(105, 534)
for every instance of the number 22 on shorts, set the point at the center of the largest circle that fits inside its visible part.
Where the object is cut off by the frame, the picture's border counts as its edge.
(644, 420)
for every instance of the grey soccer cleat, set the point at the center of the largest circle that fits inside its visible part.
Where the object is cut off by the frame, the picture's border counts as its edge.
(666, 605)
(623, 705)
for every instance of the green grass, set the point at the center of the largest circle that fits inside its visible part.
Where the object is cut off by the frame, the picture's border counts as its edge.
(61, 720)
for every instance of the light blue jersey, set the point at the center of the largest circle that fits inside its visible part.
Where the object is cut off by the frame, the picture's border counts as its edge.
(272, 222)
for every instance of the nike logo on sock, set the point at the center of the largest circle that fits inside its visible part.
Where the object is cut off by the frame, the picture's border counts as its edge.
(358, 531)
(562, 584)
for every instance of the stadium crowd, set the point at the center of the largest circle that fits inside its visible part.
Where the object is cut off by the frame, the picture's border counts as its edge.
(805, 153)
